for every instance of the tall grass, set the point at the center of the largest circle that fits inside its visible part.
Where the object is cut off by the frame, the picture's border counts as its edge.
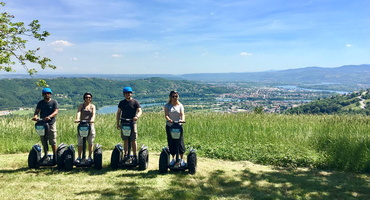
(320, 141)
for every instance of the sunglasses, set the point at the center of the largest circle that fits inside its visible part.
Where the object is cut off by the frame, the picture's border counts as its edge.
(87, 97)
(46, 93)
(175, 96)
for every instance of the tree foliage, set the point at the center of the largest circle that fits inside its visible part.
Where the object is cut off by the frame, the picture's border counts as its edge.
(13, 44)
(17, 93)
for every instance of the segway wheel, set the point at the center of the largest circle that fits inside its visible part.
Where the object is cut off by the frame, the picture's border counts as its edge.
(143, 159)
(192, 163)
(163, 162)
(68, 162)
(33, 159)
(98, 159)
(114, 160)
(60, 158)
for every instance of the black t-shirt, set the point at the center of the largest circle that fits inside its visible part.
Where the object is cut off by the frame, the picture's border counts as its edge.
(128, 108)
(47, 108)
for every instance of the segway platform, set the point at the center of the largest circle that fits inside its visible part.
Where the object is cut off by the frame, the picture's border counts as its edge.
(164, 162)
(70, 158)
(35, 160)
(118, 160)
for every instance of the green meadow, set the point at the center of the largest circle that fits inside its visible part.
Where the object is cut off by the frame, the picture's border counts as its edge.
(329, 142)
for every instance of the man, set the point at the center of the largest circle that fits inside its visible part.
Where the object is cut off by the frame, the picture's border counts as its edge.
(129, 108)
(48, 109)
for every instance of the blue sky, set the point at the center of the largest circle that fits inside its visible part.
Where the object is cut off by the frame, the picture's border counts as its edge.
(202, 36)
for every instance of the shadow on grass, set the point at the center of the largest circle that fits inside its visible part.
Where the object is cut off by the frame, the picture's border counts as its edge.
(244, 185)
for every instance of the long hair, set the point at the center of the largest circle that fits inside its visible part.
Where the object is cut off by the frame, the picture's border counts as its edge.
(173, 93)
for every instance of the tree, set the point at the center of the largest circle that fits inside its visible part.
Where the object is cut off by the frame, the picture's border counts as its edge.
(13, 45)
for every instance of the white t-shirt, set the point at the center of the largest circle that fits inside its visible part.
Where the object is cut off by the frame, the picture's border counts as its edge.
(174, 112)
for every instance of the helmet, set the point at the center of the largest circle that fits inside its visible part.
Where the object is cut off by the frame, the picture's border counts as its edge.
(46, 90)
(127, 89)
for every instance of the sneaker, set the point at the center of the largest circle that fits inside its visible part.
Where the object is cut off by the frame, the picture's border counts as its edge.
(125, 157)
(45, 159)
(90, 159)
(178, 164)
(134, 159)
(183, 163)
(172, 162)
(78, 160)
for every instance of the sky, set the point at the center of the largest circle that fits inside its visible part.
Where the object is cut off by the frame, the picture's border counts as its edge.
(196, 36)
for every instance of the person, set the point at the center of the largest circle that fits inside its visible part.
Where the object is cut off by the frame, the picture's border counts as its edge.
(129, 108)
(174, 111)
(86, 111)
(48, 110)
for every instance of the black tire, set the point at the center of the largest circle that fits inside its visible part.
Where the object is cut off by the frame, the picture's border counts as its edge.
(114, 159)
(143, 159)
(68, 161)
(60, 158)
(192, 163)
(163, 162)
(98, 159)
(33, 159)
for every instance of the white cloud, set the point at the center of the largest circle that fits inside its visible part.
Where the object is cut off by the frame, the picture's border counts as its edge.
(348, 45)
(74, 59)
(246, 54)
(116, 56)
(59, 45)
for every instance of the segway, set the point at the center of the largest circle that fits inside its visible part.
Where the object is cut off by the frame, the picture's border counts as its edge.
(34, 157)
(164, 158)
(119, 160)
(84, 131)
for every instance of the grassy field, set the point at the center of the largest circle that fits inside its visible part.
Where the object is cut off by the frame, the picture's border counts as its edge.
(315, 141)
(215, 179)
(303, 157)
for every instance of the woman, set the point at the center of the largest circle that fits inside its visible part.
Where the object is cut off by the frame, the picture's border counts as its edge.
(86, 111)
(174, 111)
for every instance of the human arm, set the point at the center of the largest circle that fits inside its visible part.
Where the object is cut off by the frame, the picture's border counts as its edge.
(182, 114)
(138, 114)
(55, 112)
(118, 117)
(35, 115)
(78, 114)
(93, 112)
(166, 114)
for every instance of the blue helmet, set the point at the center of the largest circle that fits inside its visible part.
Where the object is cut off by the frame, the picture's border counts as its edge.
(127, 89)
(46, 90)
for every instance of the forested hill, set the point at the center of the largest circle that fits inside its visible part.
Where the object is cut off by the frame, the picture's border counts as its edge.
(17, 93)
(352, 103)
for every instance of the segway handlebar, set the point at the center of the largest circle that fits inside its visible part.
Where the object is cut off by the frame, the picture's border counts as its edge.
(177, 122)
(83, 121)
(38, 119)
(126, 119)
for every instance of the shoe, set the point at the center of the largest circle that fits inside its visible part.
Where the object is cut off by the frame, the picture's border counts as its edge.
(45, 159)
(178, 164)
(125, 157)
(183, 163)
(172, 162)
(134, 159)
(78, 160)
(90, 159)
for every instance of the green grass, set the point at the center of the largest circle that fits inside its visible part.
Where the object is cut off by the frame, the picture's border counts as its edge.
(215, 179)
(317, 141)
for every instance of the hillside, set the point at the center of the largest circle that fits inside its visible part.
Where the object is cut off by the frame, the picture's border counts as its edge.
(351, 103)
(17, 93)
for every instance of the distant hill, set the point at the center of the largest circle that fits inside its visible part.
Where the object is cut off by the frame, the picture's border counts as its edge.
(310, 75)
(351, 103)
(17, 93)
(348, 74)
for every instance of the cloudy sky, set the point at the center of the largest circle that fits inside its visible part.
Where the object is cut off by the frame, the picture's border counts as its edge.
(197, 36)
